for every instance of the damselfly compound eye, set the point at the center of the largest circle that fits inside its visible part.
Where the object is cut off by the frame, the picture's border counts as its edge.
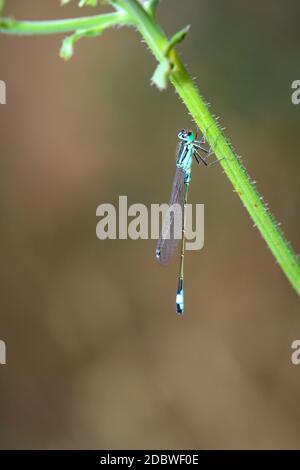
(183, 134)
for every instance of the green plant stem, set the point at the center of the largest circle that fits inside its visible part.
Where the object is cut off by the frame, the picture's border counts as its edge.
(132, 12)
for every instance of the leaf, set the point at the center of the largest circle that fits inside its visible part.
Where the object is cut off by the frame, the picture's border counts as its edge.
(67, 48)
(161, 73)
(176, 39)
(163, 70)
(151, 6)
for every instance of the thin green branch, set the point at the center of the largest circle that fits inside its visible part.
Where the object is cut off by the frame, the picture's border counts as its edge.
(104, 21)
(170, 66)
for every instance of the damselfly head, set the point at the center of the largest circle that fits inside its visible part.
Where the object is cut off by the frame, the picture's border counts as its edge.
(186, 135)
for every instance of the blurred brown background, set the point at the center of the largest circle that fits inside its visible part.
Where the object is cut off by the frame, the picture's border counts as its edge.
(96, 357)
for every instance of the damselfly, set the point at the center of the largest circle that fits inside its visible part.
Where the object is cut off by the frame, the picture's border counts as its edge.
(189, 148)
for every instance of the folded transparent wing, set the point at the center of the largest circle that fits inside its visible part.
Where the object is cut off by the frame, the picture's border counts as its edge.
(167, 243)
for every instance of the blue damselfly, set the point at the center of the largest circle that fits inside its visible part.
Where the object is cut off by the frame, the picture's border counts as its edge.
(189, 148)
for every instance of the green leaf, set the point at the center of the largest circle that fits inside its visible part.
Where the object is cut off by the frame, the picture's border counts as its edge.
(67, 48)
(163, 70)
(176, 39)
(82, 3)
(151, 6)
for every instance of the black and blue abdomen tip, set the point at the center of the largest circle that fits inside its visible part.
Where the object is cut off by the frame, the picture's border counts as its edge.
(180, 302)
